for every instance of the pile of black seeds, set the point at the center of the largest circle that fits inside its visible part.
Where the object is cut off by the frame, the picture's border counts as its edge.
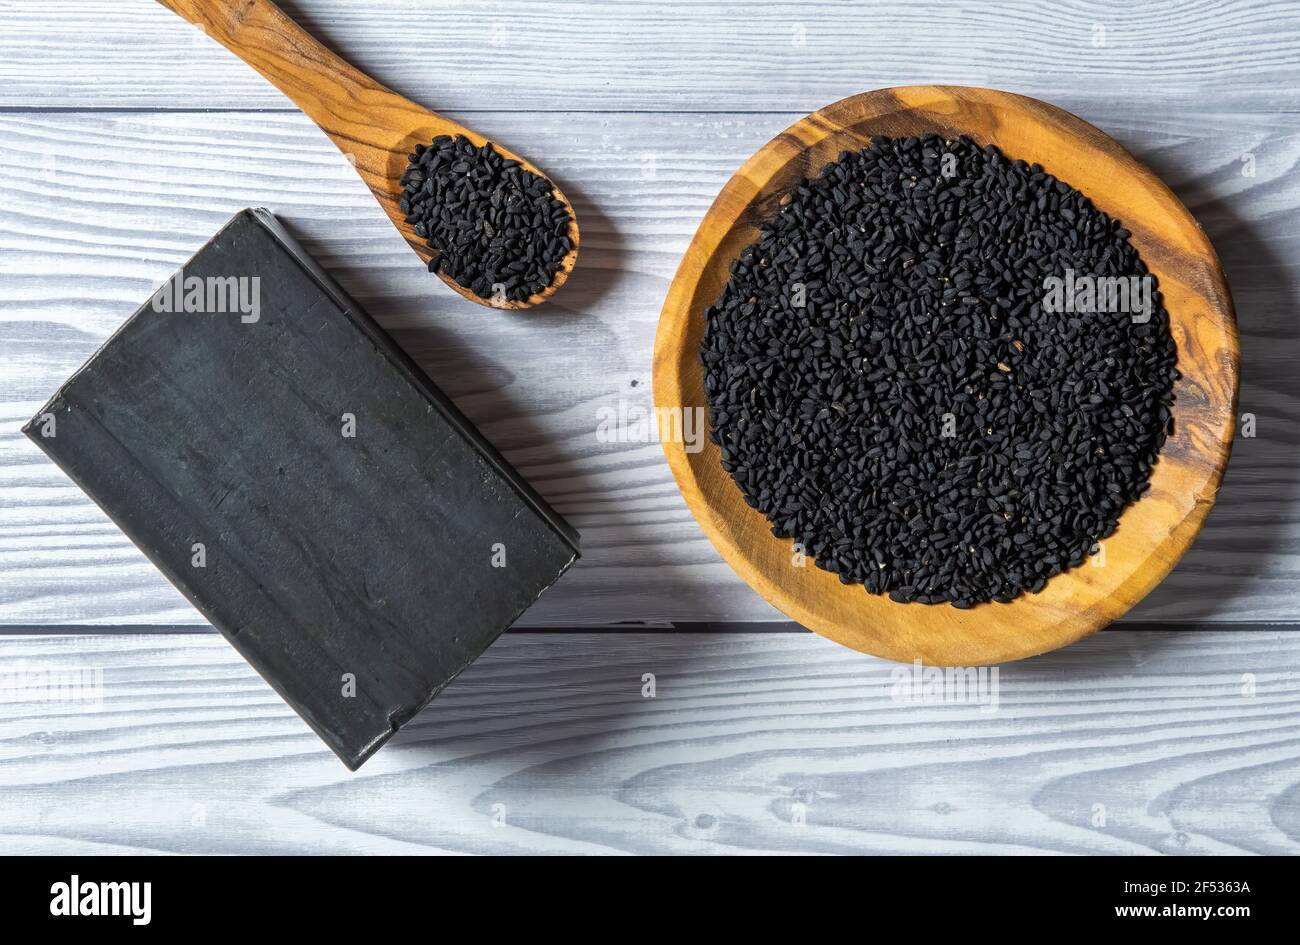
(888, 386)
(495, 228)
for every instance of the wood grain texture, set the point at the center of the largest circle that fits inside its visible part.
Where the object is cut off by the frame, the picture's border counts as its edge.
(783, 55)
(1129, 742)
(191, 752)
(1153, 533)
(539, 386)
(375, 128)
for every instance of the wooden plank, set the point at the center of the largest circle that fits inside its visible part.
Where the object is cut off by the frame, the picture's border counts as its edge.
(558, 55)
(539, 385)
(1129, 742)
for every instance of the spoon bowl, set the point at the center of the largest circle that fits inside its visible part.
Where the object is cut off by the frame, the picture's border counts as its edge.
(374, 127)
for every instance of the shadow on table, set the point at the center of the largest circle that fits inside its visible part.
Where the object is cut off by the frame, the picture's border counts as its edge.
(1253, 520)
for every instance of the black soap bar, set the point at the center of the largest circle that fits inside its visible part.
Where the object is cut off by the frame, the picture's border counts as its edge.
(305, 485)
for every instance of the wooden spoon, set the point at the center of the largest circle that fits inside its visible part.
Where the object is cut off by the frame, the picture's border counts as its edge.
(1153, 532)
(374, 127)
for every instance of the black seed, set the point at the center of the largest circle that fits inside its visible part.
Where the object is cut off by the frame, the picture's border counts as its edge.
(483, 216)
(924, 424)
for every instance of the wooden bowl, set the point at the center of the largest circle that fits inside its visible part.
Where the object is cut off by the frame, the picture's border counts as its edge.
(1153, 533)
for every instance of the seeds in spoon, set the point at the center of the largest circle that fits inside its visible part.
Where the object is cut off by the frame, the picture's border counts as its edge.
(894, 384)
(494, 227)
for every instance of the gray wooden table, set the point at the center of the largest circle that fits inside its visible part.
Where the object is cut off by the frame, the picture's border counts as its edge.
(128, 137)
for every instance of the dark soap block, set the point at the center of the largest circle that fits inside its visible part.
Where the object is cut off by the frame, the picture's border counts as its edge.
(305, 485)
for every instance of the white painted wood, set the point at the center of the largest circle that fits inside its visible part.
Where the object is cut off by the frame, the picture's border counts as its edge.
(1185, 741)
(559, 55)
(539, 384)
(1129, 742)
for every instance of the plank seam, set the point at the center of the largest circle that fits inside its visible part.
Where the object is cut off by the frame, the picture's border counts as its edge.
(630, 627)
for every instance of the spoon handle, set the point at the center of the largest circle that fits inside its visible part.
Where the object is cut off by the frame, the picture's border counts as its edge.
(333, 93)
